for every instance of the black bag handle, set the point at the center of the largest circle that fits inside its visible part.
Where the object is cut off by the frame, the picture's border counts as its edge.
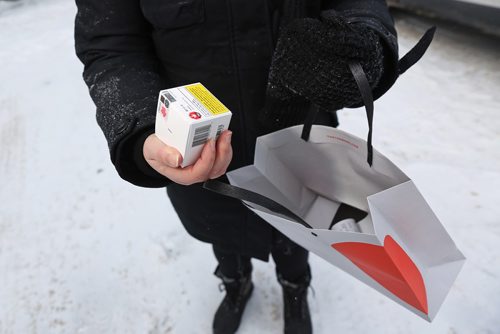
(408, 60)
(344, 211)
(252, 197)
(367, 96)
(417, 52)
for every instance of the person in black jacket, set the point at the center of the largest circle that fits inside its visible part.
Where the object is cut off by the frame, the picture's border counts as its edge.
(267, 60)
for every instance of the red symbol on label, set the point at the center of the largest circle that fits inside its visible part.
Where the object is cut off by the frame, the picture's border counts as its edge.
(194, 115)
(163, 110)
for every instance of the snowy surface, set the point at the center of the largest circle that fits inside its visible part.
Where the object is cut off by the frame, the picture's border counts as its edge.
(83, 252)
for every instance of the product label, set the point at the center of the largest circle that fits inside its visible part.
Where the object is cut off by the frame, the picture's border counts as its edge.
(209, 101)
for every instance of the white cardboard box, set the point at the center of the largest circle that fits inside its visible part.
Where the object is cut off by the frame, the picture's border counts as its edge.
(187, 117)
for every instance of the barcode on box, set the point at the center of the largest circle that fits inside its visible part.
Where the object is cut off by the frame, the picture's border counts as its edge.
(220, 128)
(201, 135)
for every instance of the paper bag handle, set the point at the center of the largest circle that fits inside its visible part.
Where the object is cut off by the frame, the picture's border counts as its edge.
(252, 197)
(408, 60)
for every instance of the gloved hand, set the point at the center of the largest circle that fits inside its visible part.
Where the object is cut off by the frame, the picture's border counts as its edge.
(311, 61)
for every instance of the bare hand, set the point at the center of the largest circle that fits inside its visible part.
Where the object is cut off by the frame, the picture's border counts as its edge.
(213, 162)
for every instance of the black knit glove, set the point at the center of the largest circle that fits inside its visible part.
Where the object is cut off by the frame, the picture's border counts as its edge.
(310, 63)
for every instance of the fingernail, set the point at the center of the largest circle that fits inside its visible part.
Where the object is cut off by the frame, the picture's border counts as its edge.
(212, 144)
(228, 137)
(173, 160)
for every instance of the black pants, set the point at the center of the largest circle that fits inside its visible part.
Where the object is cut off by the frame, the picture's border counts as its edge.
(290, 258)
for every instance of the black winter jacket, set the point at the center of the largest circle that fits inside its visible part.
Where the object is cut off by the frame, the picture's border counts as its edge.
(132, 49)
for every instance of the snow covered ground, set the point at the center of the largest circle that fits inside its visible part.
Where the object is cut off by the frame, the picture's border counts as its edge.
(83, 252)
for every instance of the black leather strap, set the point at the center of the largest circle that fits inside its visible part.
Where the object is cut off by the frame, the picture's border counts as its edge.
(252, 197)
(367, 96)
(417, 52)
(308, 122)
(345, 211)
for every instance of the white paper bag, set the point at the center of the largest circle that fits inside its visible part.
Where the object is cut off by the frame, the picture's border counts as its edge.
(400, 248)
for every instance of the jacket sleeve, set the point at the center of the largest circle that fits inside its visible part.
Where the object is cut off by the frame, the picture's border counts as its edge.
(374, 14)
(113, 41)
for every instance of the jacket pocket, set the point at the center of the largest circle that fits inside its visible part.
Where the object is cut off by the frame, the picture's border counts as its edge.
(172, 14)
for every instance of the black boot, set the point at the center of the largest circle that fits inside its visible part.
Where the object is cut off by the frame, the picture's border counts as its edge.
(238, 290)
(296, 308)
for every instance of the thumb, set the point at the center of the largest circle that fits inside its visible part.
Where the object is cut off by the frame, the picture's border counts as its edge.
(155, 149)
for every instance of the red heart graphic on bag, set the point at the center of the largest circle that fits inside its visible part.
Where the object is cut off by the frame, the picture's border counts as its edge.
(391, 267)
